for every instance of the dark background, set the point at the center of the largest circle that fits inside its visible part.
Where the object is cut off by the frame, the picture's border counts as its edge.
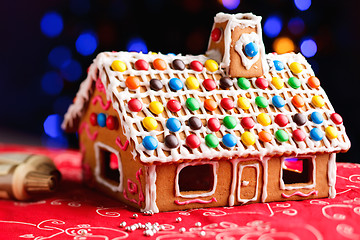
(167, 26)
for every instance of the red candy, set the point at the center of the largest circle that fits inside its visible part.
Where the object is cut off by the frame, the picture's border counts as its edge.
(336, 118)
(298, 135)
(93, 119)
(247, 123)
(141, 65)
(281, 120)
(196, 66)
(111, 122)
(209, 84)
(262, 83)
(173, 105)
(216, 34)
(227, 103)
(214, 124)
(135, 105)
(193, 141)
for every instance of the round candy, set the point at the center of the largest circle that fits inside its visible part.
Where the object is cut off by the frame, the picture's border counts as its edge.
(150, 143)
(229, 122)
(209, 84)
(277, 82)
(216, 34)
(296, 67)
(318, 101)
(336, 118)
(132, 82)
(210, 104)
(173, 105)
(244, 83)
(225, 83)
(251, 49)
(135, 105)
(264, 119)
(281, 120)
(316, 134)
(247, 122)
(159, 64)
(278, 65)
(171, 141)
(173, 124)
(211, 141)
(196, 66)
(176, 84)
(192, 83)
(261, 102)
(278, 101)
(150, 123)
(156, 107)
(299, 119)
(111, 122)
(192, 104)
(281, 135)
(119, 66)
(313, 82)
(298, 101)
(93, 119)
(229, 140)
(141, 65)
(261, 83)
(298, 135)
(294, 82)
(211, 65)
(193, 141)
(178, 64)
(248, 138)
(265, 136)
(195, 123)
(156, 84)
(331, 132)
(101, 119)
(227, 103)
(317, 118)
(243, 103)
(213, 124)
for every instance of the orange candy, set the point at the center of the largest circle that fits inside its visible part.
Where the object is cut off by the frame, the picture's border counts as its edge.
(159, 64)
(313, 82)
(132, 82)
(264, 136)
(298, 101)
(210, 104)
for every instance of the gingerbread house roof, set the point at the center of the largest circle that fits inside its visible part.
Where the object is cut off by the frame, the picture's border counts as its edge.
(185, 107)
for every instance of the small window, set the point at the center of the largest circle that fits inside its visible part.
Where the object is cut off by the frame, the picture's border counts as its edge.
(196, 178)
(297, 170)
(109, 166)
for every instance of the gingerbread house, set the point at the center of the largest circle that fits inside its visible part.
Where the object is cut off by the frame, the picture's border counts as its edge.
(234, 126)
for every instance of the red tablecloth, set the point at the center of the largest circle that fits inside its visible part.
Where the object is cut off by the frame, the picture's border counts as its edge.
(76, 212)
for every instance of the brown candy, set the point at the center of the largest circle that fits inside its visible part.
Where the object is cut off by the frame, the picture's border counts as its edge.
(178, 64)
(171, 141)
(299, 119)
(195, 123)
(226, 83)
(156, 84)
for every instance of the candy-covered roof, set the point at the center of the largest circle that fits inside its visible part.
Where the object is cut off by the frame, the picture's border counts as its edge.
(178, 108)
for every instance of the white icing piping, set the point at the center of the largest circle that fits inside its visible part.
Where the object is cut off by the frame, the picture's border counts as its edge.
(332, 175)
(246, 38)
(265, 178)
(256, 166)
(150, 190)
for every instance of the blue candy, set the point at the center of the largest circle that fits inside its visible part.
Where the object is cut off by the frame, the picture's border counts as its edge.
(101, 119)
(278, 101)
(176, 84)
(278, 65)
(150, 143)
(229, 140)
(173, 124)
(251, 49)
(316, 134)
(317, 118)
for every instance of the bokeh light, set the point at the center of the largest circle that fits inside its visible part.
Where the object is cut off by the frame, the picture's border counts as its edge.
(296, 25)
(272, 26)
(86, 43)
(51, 24)
(52, 126)
(302, 5)
(283, 45)
(230, 4)
(308, 47)
(137, 45)
(71, 70)
(59, 55)
(52, 83)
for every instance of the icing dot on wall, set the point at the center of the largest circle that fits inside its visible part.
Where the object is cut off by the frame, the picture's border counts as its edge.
(137, 45)
(302, 5)
(71, 70)
(52, 126)
(272, 26)
(230, 4)
(59, 55)
(296, 25)
(86, 43)
(308, 47)
(52, 83)
(51, 24)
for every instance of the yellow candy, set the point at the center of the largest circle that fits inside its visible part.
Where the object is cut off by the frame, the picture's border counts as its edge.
(156, 107)
(243, 103)
(248, 138)
(296, 67)
(264, 119)
(192, 83)
(211, 65)
(118, 65)
(277, 82)
(331, 132)
(150, 123)
(318, 101)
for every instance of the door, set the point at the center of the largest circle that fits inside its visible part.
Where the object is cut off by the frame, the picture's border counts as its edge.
(248, 182)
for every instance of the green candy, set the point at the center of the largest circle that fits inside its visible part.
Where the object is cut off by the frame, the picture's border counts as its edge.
(192, 104)
(294, 82)
(281, 135)
(244, 83)
(261, 102)
(229, 122)
(211, 141)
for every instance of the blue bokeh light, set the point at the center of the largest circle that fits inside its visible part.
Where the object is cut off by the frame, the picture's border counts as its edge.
(231, 4)
(59, 55)
(272, 26)
(308, 47)
(296, 25)
(302, 5)
(86, 43)
(52, 83)
(51, 24)
(137, 45)
(52, 126)
(71, 70)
